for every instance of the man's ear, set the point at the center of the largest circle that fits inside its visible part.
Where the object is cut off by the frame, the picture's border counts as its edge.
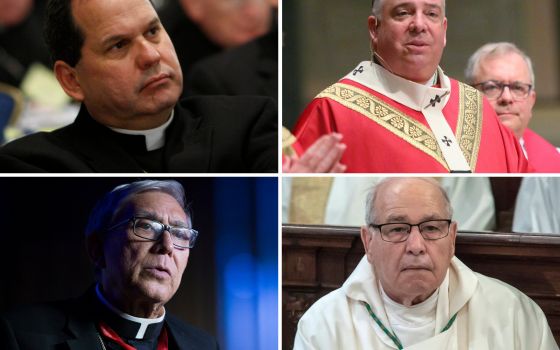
(445, 31)
(68, 79)
(94, 247)
(532, 99)
(453, 236)
(366, 236)
(372, 27)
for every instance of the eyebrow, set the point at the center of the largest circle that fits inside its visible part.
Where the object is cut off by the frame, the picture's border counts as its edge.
(118, 37)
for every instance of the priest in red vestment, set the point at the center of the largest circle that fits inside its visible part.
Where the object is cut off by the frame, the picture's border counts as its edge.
(401, 113)
(497, 66)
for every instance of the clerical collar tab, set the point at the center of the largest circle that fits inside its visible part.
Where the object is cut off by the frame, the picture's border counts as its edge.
(128, 326)
(154, 138)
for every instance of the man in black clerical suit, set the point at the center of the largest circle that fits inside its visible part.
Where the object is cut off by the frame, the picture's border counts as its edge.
(200, 28)
(116, 58)
(251, 69)
(138, 237)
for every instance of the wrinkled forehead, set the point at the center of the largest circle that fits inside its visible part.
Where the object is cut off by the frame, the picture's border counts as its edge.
(507, 66)
(396, 3)
(418, 199)
(100, 17)
(152, 204)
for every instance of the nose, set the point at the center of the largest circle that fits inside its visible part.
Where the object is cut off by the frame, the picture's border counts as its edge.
(418, 23)
(415, 244)
(165, 243)
(506, 97)
(148, 55)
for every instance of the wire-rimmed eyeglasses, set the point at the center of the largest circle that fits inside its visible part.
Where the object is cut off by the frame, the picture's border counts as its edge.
(396, 232)
(152, 230)
(493, 89)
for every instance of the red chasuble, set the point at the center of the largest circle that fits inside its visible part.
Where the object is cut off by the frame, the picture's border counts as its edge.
(543, 156)
(383, 135)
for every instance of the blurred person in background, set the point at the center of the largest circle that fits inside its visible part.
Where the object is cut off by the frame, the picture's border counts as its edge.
(505, 75)
(21, 39)
(537, 208)
(200, 28)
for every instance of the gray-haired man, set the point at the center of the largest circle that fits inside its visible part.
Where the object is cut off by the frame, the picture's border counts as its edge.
(138, 237)
(410, 292)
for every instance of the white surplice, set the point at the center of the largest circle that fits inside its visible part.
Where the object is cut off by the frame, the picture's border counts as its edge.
(491, 315)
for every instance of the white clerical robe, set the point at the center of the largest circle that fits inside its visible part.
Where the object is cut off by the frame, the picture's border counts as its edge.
(537, 208)
(491, 315)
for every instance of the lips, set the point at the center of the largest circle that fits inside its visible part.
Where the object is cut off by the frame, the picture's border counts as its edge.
(159, 271)
(506, 115)
(417, 43)
(416, 267)
(155, 79)
(417, 47)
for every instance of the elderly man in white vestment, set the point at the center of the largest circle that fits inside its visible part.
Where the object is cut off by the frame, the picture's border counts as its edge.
(410, 292)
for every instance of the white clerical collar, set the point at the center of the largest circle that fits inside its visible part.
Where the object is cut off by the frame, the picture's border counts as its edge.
(409, 314)
(413, 95)
(143, 322)
(432, 81)
(412, 324)
(155, 138)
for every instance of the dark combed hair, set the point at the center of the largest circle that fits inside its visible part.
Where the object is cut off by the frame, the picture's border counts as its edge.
(62, 35)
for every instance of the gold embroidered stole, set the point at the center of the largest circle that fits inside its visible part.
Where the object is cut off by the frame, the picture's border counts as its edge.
(469, 122)
(309, 199)
(287, 141)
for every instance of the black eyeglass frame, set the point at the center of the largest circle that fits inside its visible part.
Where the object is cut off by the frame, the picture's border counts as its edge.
(378, 227)
(168, 228)
(502, 87)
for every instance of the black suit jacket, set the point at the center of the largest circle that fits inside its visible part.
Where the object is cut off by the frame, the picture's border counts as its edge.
(208, 134)
(251, 69)
(189, 41)
(71, 325)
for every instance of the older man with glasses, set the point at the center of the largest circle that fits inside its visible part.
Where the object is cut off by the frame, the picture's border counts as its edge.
(505, 75)
(410, 292)
(139, 238)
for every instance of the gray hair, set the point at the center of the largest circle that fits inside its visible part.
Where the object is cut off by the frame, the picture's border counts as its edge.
(372, 195)
(108, 208)
(495, 49)
(377, 5)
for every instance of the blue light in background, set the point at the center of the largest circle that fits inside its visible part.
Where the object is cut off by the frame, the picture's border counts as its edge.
(247, 262)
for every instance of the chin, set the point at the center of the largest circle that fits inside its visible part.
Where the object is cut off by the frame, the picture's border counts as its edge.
(158, 105)
(156, 291)
(420, 285)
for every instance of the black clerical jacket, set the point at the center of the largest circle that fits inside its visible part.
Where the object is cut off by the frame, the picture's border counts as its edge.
(71, 325)
(208, 134)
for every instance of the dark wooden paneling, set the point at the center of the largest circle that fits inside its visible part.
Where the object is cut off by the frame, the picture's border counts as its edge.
(317, 259)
